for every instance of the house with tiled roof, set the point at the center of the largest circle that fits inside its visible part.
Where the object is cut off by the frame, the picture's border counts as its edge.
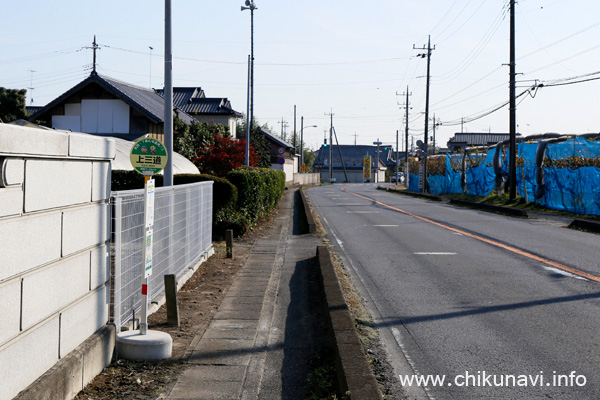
(463, 140)
(104, 106)
(193, 101)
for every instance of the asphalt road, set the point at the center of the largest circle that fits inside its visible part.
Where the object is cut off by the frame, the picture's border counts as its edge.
(496, 306)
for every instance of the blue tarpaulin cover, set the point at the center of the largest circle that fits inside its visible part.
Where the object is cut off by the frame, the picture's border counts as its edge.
(569, 186)
(481, 178)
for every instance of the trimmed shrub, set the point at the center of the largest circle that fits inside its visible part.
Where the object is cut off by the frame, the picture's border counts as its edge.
(126, 180)
(259, 191)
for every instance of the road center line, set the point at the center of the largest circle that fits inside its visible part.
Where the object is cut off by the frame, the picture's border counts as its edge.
(486, 240)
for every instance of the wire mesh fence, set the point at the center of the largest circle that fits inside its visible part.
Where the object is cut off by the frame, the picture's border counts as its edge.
(182, 235)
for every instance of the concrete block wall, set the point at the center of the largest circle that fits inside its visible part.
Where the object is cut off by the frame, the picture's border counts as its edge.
(54, 248)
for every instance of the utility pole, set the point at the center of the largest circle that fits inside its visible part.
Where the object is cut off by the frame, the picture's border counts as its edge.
(294, 142)
(397, 161)
(355, 136)
(284, 125)
(406, 106)
(331, 114)
(434, 125)
(168, 101)
(378, 143)
(428, 55)
(512, 178)
(248, 115)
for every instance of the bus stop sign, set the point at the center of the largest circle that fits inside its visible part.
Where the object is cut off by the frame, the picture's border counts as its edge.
(148, 156)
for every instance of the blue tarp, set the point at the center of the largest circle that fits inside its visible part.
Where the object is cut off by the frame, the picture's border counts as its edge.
(567, 187)
(413, 183)
(571, 175)
(481, 179)
(526, 170)
(437, 184)
(453, 184)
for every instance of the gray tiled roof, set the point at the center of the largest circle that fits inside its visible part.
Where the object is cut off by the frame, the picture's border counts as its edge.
(193, 100)
(478, 139)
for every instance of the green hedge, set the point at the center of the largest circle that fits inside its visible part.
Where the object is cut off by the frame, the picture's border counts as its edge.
(126, 180)
(259, 191)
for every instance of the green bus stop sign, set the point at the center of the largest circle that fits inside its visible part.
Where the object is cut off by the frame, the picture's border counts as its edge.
(148, 156)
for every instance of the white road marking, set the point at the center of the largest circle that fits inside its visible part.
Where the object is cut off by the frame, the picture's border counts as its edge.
(434, 253)
(565, 273)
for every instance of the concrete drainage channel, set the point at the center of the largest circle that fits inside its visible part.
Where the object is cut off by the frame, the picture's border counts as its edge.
(352, 367)
(354, 375)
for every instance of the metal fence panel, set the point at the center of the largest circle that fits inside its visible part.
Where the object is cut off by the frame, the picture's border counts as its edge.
(182, 235)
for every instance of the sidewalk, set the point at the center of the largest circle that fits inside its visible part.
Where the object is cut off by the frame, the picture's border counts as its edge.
(260, 341)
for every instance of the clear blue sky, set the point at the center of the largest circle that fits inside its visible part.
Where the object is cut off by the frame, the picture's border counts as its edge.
(354, 58)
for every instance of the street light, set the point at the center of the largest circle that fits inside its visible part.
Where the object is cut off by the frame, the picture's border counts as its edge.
(249, 117)
(302, 127)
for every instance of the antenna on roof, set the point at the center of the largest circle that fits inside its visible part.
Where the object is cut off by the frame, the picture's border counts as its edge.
(31, 87)
(151, 48)
(94, 48)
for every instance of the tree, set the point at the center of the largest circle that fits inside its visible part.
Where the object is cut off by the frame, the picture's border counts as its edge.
(188, 139)
(12, 104)
(261, 145)
(224, 155)
(309, 158)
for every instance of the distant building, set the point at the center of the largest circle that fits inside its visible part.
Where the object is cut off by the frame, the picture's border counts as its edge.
(353, 162)
(463, 140)
(283, 155)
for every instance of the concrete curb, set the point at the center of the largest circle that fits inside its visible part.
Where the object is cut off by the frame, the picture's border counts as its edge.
(589, 226)
(515, 212)
(414, 194)
(70, 375)
(312, 226)
(353, 372)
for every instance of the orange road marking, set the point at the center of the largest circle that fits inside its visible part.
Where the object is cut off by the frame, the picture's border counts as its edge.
(523, 253)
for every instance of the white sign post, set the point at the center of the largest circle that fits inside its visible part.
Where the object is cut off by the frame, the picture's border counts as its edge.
(148, 225)
(148, 157)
